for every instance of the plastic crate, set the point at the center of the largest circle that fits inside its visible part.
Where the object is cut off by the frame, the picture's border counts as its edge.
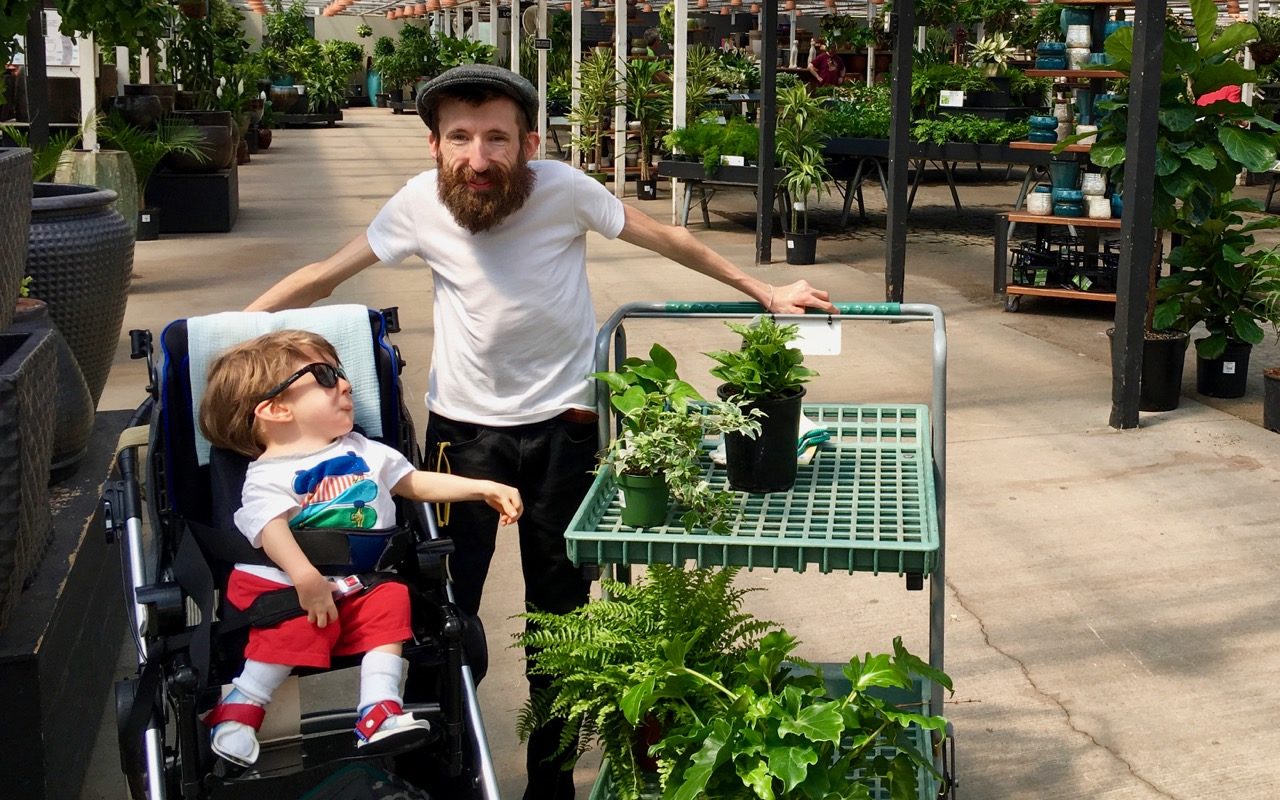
(928, 787)
(865, 503)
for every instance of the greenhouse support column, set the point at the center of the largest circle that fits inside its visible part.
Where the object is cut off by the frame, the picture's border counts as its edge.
(1248, 91)
(542, 81)
(903, 23)
(871, 46)
(122, 69)
(37, 80)
(620, 110)
(791, 45)
(679, 93)
(515, 36)
(575, 69)
(144, 66)
(88, 92)
(493, 24)
(1137, 228)
(768, 126)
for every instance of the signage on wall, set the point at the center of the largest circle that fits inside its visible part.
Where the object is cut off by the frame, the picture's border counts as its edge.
(541, 44)
(504, 12)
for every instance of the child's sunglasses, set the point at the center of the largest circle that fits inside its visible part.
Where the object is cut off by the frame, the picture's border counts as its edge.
(327, 375)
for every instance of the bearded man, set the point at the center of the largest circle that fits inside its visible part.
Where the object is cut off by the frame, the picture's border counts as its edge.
(509, 397)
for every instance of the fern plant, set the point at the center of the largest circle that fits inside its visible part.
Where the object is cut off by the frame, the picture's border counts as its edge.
(45, 160)
(606, 655)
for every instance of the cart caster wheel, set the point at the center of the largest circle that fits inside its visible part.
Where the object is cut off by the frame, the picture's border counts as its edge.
(1012, 302)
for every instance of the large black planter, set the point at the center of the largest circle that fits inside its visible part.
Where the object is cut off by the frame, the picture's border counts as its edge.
(72, 404)
(1163, 356)
(15, 216)
(27, 366)
(1271, 399)
(766, 463)
(1227, 375)
(80, 258)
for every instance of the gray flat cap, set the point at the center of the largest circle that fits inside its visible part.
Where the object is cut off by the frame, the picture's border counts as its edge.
(483, 76)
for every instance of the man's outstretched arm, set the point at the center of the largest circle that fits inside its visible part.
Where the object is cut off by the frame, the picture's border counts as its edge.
(317, 280)
(680, 246)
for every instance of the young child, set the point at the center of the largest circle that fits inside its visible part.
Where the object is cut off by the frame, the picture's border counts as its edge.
(284, 400)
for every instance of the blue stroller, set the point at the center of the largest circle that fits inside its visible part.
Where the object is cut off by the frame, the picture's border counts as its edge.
(189, 644)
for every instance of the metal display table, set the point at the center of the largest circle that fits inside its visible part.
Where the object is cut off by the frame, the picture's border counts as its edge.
(871, 500)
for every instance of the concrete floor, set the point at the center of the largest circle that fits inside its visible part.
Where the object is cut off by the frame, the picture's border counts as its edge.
(1111, 596)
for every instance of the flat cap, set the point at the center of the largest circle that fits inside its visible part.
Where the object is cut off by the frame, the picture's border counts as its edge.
(483, 76)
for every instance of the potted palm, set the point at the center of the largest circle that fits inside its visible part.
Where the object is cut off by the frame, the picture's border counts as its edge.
(146, 149)
(649, 105)
(1201, 150)
(765, 375)
(657, 455)
(801, 138)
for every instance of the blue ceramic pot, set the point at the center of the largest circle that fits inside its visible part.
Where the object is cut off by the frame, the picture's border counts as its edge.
(1114, 25)
(1051, 49)
(1065, 174)
(1041, 122)
(1043, 188)
(1068, 210)
(1051, 62)
(1117, 205)
(1068, 196)
(1042, 137)
(1075, 16)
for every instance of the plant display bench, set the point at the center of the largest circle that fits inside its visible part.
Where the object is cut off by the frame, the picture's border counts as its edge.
(325, 119)
(871, 500)
(1082, 274)
(695, 176)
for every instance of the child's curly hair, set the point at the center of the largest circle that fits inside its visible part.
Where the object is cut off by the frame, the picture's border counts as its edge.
(239, 379)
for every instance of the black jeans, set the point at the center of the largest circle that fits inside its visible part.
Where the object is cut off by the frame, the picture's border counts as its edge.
(551, 463)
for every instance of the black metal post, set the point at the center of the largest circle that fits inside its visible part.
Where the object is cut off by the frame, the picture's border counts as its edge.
(1137, 229)
(768, 126)
(37, 80)
(903, 21)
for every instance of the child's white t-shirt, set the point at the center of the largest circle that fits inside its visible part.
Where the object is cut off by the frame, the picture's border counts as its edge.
(514, 323)
(345, 485)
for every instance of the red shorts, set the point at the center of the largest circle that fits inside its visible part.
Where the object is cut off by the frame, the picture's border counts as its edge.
(365, 620)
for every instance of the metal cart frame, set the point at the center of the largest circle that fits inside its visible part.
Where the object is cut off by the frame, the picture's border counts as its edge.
(611, 350)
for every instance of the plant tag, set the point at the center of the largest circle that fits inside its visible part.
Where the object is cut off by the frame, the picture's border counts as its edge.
(146, 217)
(819, 336)
(791, 244)
(622, 499)
(1042, 277)
(950, 98)
(1228, 368)
(720, 120)
(541, 44)
(733, 161)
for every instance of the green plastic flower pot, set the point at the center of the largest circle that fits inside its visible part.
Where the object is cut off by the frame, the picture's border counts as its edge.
(644, 500)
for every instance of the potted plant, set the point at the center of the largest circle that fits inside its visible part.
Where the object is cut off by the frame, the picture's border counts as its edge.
(1201, 151)
(597, 82)
(991, 54)
(765, 375)
(1223, 281)
(1267, 47)
(657, 455)
(649, 105)
(601, 657)
(801, 139)
(146, 149)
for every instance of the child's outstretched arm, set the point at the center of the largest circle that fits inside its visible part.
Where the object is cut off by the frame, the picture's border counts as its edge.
(440, 487)
(315, 594)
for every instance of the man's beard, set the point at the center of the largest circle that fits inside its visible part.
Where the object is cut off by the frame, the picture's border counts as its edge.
(480, 210)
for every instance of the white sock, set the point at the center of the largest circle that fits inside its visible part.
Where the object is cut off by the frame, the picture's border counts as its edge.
(380, 675)
(255, 685)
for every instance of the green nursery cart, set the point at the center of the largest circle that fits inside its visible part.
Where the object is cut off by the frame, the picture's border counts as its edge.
(872, 499)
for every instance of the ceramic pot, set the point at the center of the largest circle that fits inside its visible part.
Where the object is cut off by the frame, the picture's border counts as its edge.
(139, 110)
(1064, 174)
(1065, 130)
(106, 169)
(1078, 57)
(1117, 205)
(80, 259)
(1040, 203)
(217, 143)
(167, 93)
(1094, 183)
(1074, 16)
(1078, 36)
(1097, 207)
(1062, 112)
(1092, 130)
(15, 217)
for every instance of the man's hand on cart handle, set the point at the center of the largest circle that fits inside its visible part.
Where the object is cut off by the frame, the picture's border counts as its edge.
(794, 298)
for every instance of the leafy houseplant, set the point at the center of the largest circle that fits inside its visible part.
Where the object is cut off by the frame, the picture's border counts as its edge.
(657, 454)
(710, 141)
(1267, 48)
(44, 160)
(597, 81)
(778, 731)
(609, 654)
(801, 138)
(649, 104)
(146, 149)
(991, 54)
(768, 375)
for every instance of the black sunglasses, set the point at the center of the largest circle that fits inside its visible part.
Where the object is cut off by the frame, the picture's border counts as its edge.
(327, 375)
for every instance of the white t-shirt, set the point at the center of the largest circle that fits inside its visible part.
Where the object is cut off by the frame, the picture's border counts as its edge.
(345, 485)
(514, 321)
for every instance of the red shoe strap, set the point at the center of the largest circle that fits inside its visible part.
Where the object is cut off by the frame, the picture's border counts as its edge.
(372, 721)
(244, 713)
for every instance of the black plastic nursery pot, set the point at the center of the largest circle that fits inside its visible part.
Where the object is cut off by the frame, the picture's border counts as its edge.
(766, 463)
(647, 190)
(802, 248)
(148, 224)
(1271, 399)
(644, 500)
(1227, 375)
(1163, 356)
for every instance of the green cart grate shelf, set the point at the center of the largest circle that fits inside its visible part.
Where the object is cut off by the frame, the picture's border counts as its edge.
(865, 503)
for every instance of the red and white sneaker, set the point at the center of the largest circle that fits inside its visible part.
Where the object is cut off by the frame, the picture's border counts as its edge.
(386, 726)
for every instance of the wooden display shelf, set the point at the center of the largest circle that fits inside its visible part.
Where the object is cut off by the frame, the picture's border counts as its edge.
(1065, 294)
(1077, 74)
(1049, 219)
(1071, 148)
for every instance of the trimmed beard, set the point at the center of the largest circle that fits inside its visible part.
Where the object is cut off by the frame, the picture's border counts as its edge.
(478, 211)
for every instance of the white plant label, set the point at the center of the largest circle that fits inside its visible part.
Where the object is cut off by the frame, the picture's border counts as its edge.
(819, 336)
(733, 161)
(1228, 368)
(146, 217)
(950, 98)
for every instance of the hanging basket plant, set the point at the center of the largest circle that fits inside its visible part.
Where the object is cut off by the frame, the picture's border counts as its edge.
(135, 24)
